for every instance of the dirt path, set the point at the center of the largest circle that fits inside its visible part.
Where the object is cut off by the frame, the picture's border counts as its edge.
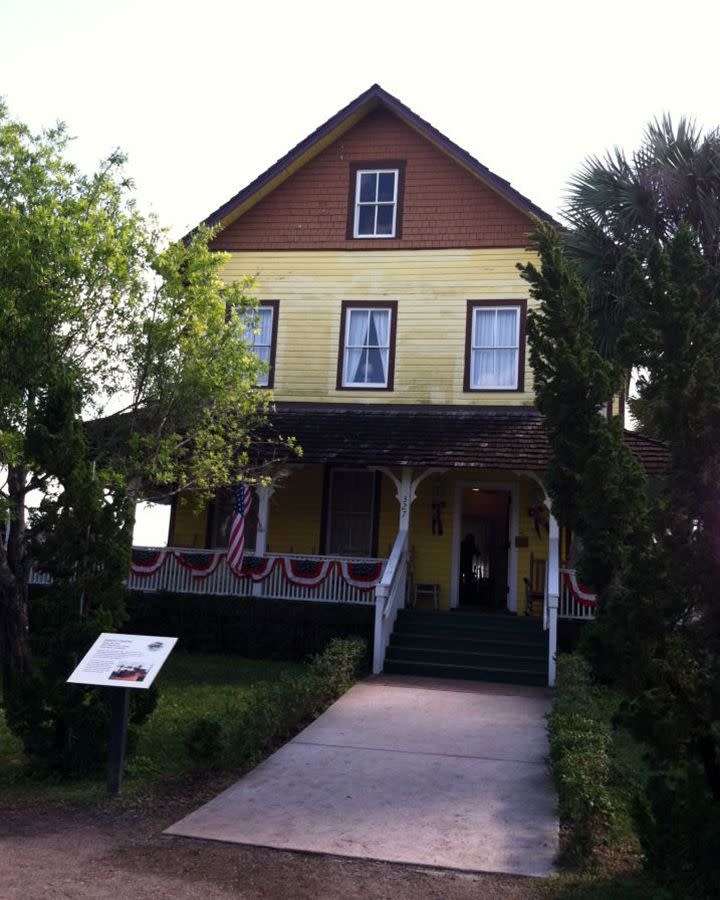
(48, 852)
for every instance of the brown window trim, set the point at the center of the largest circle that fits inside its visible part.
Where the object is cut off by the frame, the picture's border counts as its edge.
(398, 164)
(275, 304)
(475, 304)
(392, 305)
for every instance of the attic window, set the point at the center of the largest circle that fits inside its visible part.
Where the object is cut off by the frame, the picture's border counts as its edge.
(375, 208)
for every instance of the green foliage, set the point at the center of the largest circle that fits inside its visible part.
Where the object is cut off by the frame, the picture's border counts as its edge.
(278, 710)
(204, 743)
(102, 314)
(597, 486)
(623, 201)
(580, 758)
(679, 828)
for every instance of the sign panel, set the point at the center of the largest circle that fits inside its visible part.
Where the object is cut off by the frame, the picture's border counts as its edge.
(123, 660)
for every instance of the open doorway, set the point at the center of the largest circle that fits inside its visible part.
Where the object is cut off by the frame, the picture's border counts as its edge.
(484, 548)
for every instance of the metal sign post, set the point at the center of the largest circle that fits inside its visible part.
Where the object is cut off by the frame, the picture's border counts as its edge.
(120, 707)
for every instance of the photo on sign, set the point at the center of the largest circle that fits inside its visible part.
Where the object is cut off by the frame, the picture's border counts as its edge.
(123, 672)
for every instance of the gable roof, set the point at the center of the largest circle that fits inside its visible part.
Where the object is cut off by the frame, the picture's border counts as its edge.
(373, 98)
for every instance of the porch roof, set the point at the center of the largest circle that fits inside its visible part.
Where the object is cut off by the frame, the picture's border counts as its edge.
(501, 437)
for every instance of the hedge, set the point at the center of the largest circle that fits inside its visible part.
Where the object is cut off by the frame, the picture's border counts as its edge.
(580, 757)
(276, 711)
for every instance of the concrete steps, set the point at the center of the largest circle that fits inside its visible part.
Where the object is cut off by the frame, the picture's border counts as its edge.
(472, 646)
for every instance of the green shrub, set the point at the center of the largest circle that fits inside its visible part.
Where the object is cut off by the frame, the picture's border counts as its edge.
(679, 828)
(204, 741)
(277, 710)
(580, 757)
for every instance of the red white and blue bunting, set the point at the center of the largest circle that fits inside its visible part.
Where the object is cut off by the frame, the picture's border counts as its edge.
(201, 563)
(580, 592)
(362, 575)
(308, 573)
(258, 568)
(146, 562)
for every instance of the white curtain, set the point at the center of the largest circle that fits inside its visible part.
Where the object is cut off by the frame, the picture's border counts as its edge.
(495, 353)
(484, 328)
(264, 338)
(366, 353)
(506, 328)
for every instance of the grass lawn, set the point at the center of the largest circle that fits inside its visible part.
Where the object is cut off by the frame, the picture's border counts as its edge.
(191, 685)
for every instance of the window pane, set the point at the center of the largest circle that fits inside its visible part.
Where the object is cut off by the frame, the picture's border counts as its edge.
(506, 328)
(366, 220)
(483, 374)
(386, 186)
(357, 335)
(380, 327)
(350, 516)
(265, 314)
(368, 187)
(354, 367)
(376, 366)
(506, 368)
(385, 218)
(484, 328)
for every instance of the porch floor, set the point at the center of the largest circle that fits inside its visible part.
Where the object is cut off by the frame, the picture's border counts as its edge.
(429, 772)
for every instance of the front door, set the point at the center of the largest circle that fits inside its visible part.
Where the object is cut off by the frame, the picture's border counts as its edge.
(484, 546)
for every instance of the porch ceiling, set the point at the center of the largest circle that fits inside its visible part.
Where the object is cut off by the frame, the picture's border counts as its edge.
(500, 437)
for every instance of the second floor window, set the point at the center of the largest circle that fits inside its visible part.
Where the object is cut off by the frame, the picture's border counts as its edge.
(376, 199)
(494, 347)
(367, 346)
(261, 334)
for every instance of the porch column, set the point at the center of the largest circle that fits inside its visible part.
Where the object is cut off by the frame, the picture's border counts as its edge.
(264, 492)
(553, 594)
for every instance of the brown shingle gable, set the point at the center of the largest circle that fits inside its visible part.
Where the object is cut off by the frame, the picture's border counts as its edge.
(443, 205)
(372, 99)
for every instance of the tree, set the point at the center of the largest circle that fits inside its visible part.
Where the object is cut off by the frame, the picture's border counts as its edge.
(102, 315)
(618, 202)
(597, 486)
(653, 556)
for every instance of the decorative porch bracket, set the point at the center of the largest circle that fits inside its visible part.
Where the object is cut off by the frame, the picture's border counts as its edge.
(552, 585)
(406, 489)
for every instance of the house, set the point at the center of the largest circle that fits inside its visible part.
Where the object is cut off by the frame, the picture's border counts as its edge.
(392, 322)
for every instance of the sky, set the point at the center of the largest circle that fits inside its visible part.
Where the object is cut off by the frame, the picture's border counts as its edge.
(203, 97)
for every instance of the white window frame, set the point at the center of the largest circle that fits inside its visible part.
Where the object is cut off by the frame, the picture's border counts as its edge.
(378, 385)
(517, 309)
(376, 203)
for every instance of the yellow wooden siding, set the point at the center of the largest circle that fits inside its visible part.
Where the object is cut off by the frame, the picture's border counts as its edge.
(431, 287)
(190, 523)
(296, 511)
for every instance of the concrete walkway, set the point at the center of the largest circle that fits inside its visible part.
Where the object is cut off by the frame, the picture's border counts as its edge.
(433, 773)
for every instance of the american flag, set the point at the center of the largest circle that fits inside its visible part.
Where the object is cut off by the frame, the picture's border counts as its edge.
(236, 545)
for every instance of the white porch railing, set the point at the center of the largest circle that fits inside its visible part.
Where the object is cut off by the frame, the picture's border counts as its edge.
(570, 607)
(175, 577)
(389, 597)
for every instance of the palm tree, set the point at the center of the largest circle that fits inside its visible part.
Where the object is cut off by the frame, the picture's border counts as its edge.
(618, 203)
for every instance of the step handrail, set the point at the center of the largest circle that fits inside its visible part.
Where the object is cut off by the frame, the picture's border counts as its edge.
(389, 597)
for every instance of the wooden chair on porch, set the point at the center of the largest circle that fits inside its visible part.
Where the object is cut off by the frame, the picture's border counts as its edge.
(535, 587)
